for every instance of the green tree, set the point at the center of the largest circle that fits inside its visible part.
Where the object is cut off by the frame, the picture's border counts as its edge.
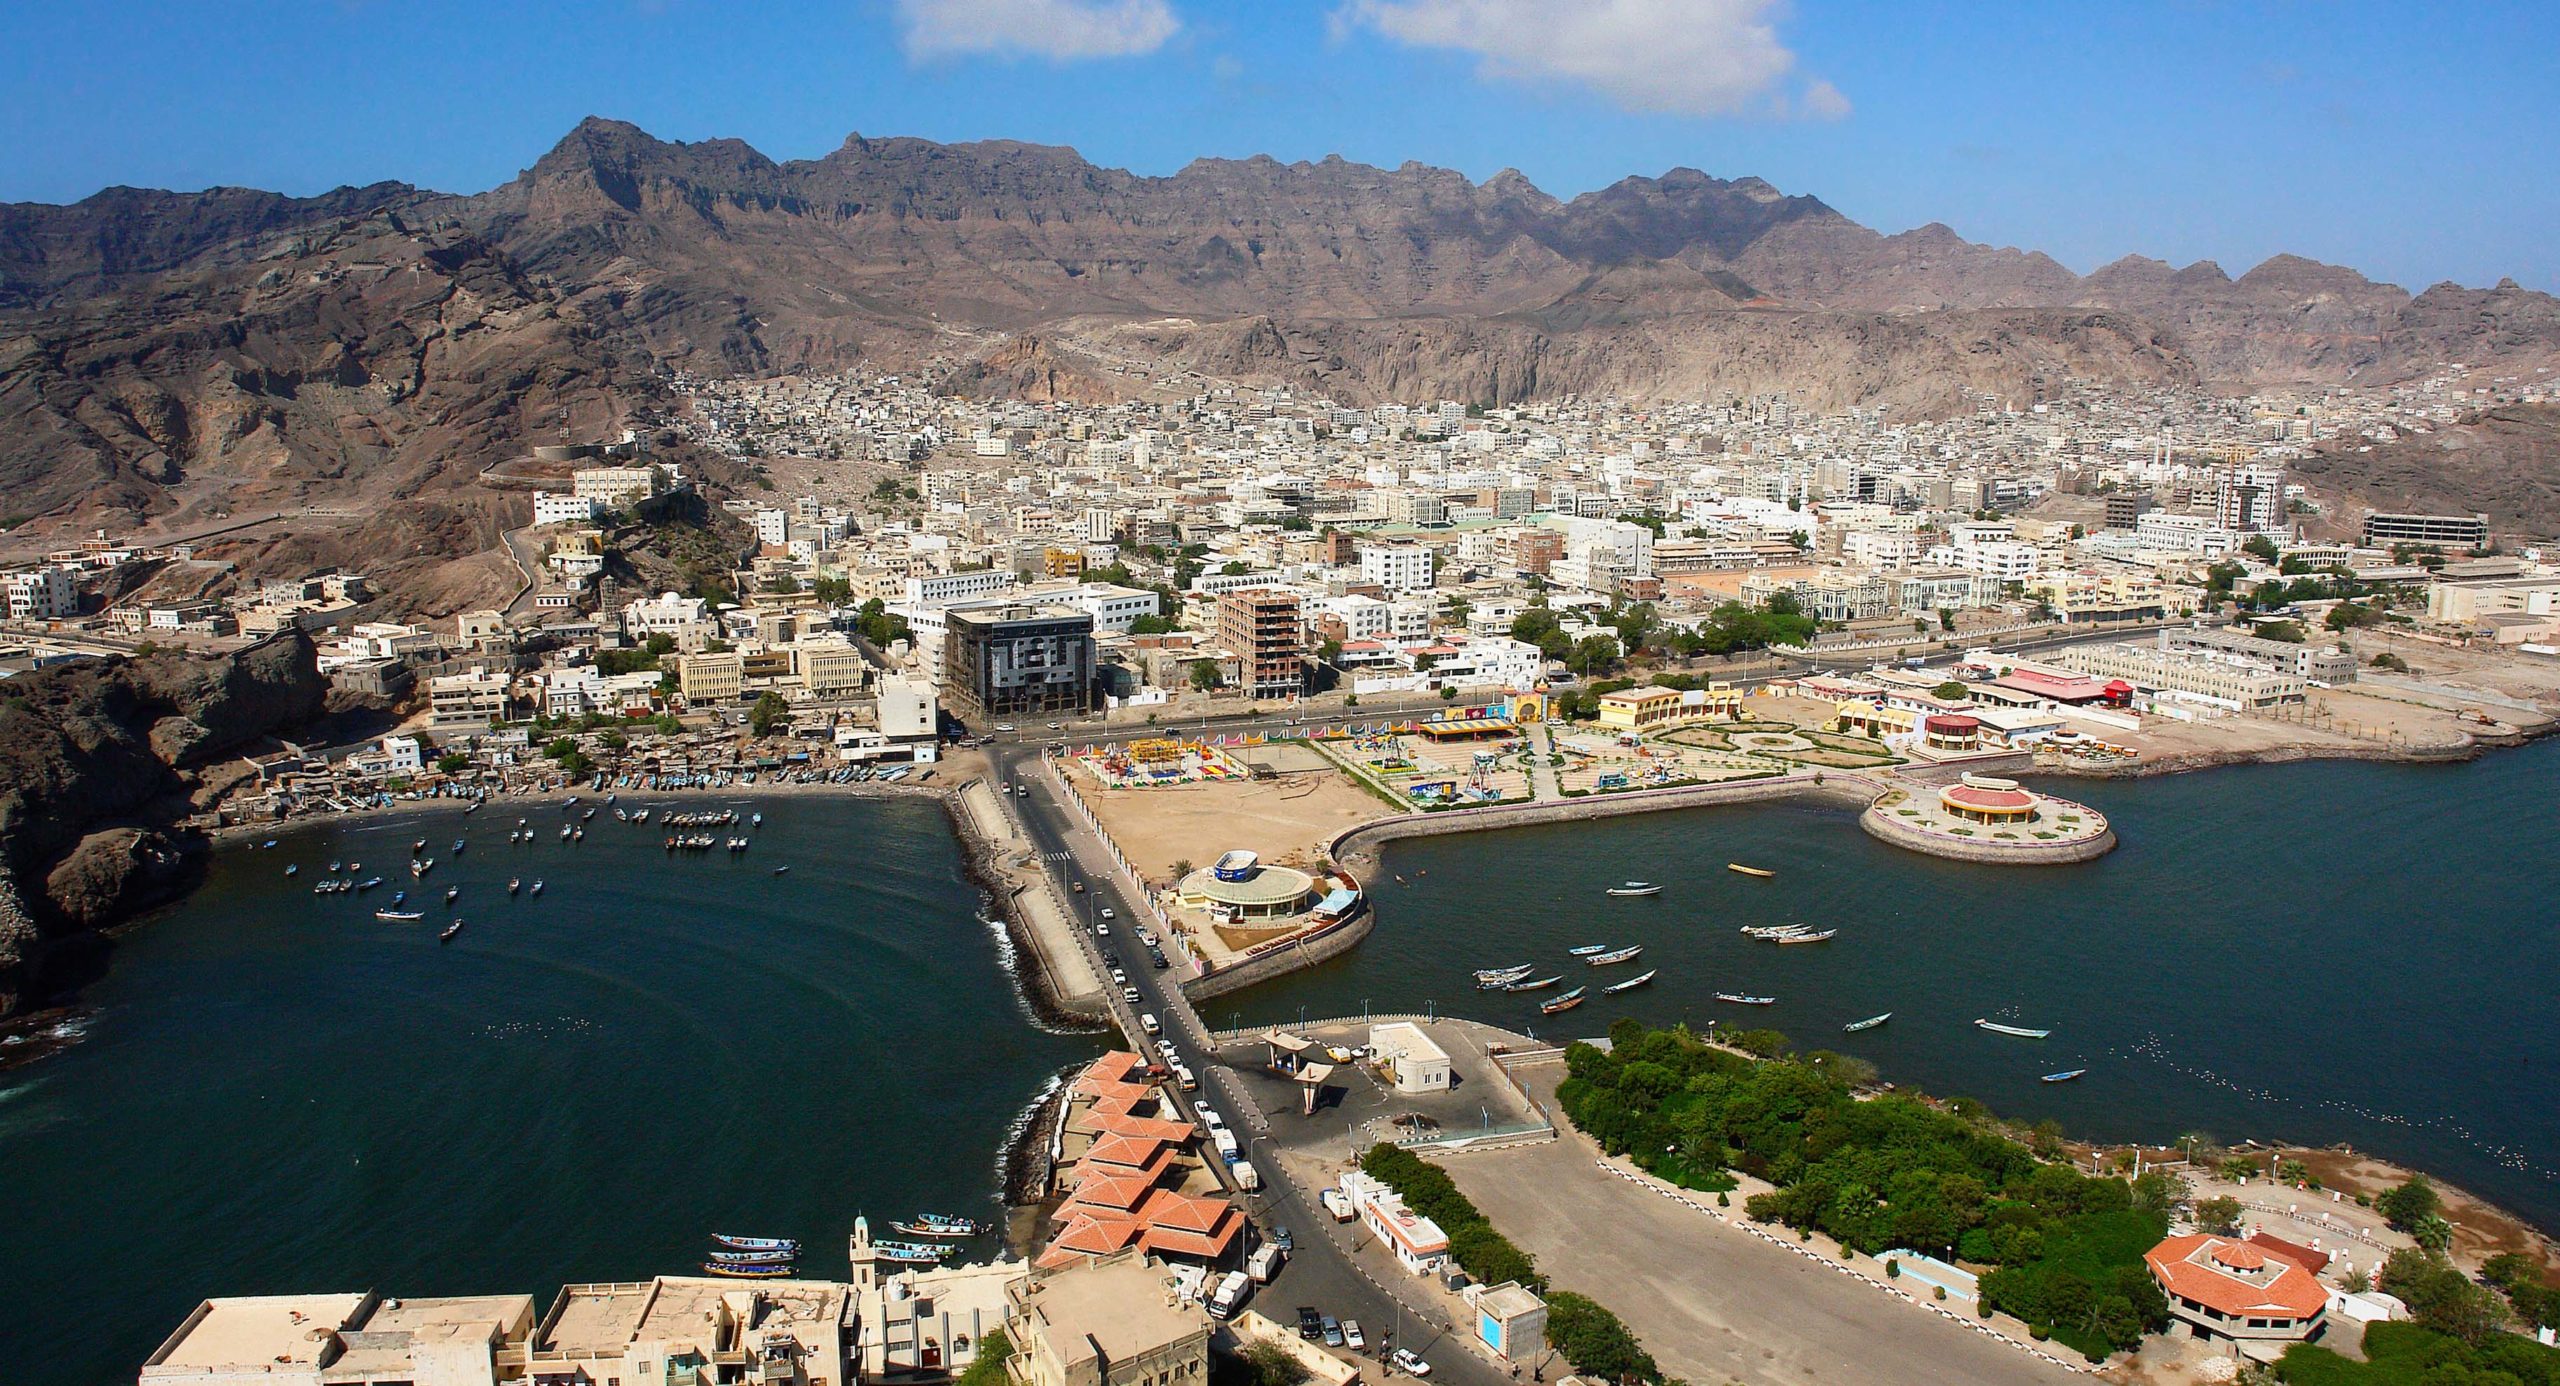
(1204, 675)
(2410, 1203)
(1595, 1341)
(770, 711)
(2261, 548)
(453, 763)
(1151, 625)
(833, 591)
(987, 1368)
(1593, 653)
(2220, 1216)
(1953, 690)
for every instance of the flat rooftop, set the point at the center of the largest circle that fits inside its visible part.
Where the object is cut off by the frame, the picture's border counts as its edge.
(259, 1332)
(596, 1318)
(1122, 1308)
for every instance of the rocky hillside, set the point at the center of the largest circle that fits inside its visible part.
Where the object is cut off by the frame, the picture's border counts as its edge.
(98, 761)
(2504, 463)
(204, 356)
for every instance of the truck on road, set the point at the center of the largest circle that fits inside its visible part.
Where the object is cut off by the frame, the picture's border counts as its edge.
(1230, 1295)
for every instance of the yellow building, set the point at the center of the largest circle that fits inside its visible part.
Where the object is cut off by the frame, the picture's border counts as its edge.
(1654, 709)
(711, 678)
(828, 665)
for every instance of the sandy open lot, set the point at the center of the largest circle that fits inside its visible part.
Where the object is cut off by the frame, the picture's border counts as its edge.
(1287, 818)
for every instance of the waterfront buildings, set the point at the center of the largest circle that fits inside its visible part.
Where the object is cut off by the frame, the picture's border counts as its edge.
(1412, 1062)
(329, 1339)
(1415, 1241)
(1113, 1321)
(2199, 675)
(2242, 1290)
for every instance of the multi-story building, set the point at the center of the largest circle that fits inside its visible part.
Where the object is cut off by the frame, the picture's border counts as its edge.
(2317, 663)
(711, 676)
(1396, 567)
(1266, 630)
(2250, 499)
(1109, 1322)
(2214, 678)
(1018, 660)
(828, 665)
(476, 697)
(552, 508)
(616, 487)
(685, 620)
(2444, 531)
(943, 589)
(43, 594)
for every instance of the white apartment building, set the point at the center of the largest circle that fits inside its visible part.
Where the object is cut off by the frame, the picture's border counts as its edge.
(1396, 567)
(552, 508)
(1878, 549)
(685, 620)
(2002, 561)
(1114, 608)
(1363, 617)
(773, 528)
(43, 594)
(942, 589)
(615, 487)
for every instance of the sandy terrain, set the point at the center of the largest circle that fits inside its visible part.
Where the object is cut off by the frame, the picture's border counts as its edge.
(1287, 818)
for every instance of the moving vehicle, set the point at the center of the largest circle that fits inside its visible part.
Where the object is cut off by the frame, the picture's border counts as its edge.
(1110, 913)
(1280, 1238)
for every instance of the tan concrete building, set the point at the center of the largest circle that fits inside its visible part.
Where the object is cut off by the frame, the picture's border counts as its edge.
(711, 678)
(354, 1339)
(1111, 1322)
(1267, 631)
(782, 1332)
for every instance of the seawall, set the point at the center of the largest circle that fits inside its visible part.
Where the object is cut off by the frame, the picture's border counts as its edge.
(1884, 827)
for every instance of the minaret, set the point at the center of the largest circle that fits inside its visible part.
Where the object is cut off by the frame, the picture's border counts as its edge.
(866, 1262)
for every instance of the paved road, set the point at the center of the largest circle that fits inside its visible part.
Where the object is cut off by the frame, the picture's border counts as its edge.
(1711, 1301)
(1321, 1272)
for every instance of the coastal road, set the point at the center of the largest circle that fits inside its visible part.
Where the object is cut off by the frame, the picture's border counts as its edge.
(1323, 1271)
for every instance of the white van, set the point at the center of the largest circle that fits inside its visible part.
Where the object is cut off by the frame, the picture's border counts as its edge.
(1248, 1179)
(1147, 1022)
(1229, 1296)
(1225, 1140)
(1264, 1263)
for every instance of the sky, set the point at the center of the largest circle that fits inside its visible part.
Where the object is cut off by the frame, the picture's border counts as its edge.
(2417, 143)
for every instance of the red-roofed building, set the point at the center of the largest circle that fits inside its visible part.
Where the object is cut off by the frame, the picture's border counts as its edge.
(2225, 1287)
(2071, 691)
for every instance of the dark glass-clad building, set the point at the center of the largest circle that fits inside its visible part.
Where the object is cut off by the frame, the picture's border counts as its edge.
(1013, 661)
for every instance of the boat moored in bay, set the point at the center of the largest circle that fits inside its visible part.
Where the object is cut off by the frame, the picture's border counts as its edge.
(1616, 956)
(2064, 1076)
(1741, 870)
(1566, 1002)
(1631, 983)
(1539, 984)
(2019, 1030)
(1737, 998)
(1636, 888)
(1869, 1023)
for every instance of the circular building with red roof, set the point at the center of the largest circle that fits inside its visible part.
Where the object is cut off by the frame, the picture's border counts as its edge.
(1983, 799)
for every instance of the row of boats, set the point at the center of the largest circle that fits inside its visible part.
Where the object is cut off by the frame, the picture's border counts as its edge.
(1521, 977)
(1646, 889)
(1789, 933)
(766, 1258)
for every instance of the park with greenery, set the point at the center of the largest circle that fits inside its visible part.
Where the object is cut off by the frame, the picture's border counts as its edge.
(2062, 1250)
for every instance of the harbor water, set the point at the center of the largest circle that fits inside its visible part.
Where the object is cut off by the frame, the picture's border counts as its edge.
(2316, 953)
(277, 1092)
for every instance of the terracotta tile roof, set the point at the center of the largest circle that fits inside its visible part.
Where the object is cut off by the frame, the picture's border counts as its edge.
(1118, 1192)
(2303, 1256)
(1170, 1132)
(2208, 1270)
(1127, 1152)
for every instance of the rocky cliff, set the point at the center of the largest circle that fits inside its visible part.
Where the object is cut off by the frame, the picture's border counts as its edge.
(99, 762)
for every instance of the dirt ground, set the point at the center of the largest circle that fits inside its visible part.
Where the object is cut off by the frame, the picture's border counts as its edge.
(1287, 818)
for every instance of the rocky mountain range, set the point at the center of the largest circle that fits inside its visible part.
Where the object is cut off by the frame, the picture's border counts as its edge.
(231, 349)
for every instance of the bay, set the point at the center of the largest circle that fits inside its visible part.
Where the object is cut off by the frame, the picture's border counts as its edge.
(279, 1093)
(2317, 953)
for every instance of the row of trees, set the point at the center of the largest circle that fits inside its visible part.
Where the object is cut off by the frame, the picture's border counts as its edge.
(1880, 1173)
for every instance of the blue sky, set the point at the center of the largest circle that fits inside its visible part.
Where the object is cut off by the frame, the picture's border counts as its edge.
(2416, 143)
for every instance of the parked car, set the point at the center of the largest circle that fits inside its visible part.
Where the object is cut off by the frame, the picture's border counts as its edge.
(1110, 913)
(1280, 1238)
(1332, 1331)
(1147, 1022)
(1352, 1335)
(1310, 1323)
(1130, 995)
(1405, 1360)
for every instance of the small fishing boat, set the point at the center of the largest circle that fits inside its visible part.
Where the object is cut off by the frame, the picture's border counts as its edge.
(752, 1258)
(399, 898)
(399, 916)
(418, 846)
(458, 845)
(1566, 1002)
(336, 867)
(2064, 1076)
(2018, 1030)
(452, 893)
(782, 870)
(1737, 998)
(1630, 984)
(269, 845)
(445, 935)
(942, 1225)
(1636, 888)
(368, 883)
(790, 1244)
(1588, 949)
(1869, 1023)
(1498, 976)
(537, 887)
(294, 869)
(422, 866)
(1775, 930)
(1529, 984)
(756, 819)
(1783, 939)
(1615, 956)
(1741, 870)
(763, 1270)
(911, 1253)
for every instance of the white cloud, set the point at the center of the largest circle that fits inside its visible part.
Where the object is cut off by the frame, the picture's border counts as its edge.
(1059, 30)
(1688, 57)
